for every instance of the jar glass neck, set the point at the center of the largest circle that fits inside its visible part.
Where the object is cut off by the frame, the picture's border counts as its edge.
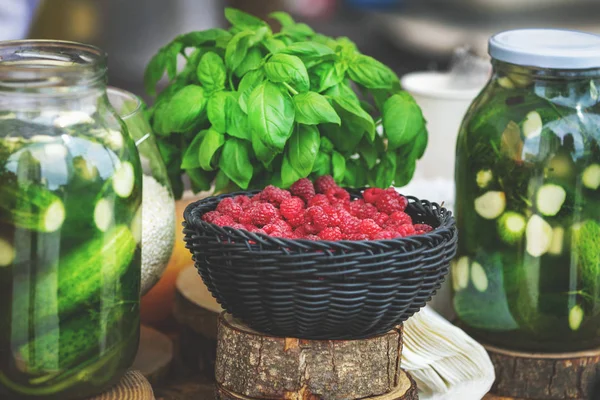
(51, 68)
(504, 68)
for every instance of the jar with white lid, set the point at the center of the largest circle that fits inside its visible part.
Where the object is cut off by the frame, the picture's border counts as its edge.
(527, 275)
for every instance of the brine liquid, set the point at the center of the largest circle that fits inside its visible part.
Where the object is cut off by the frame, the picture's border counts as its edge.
(531, 282)
(69, 260)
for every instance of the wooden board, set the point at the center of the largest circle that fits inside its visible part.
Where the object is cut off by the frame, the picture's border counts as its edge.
(154, 356)
(406, 390)
(197, 312)
(133, 386)
(254, 365)
(544, 376)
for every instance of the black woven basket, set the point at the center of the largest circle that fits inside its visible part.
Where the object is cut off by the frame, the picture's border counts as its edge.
(321, 289)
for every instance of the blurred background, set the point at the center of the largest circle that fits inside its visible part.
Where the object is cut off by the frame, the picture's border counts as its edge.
(408, 35)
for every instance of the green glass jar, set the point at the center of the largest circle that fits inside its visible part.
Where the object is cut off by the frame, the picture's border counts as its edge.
(527, 275)
(70, 187)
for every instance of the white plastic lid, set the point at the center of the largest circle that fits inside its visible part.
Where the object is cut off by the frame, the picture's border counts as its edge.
(547, 48)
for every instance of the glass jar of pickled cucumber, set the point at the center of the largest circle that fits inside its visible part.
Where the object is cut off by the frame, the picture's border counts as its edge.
(527, 275)
(70, 188)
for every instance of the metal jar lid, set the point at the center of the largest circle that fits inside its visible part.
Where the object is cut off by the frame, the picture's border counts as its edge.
(547, 48)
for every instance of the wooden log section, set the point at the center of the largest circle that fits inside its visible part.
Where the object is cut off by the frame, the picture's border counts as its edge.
(154, 356)
(406, 390)
(257, 366)
(133, 386)
(540, 376)
(198, 313)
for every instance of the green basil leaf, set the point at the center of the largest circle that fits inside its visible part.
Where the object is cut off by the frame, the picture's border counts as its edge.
(385, 172)
(201, 180)
(313, 108)
(274, 45)
(171, 154)
(200, 38)
(346, 137)
(303, 149)
(289, 69)
(248, 83)
(289, 174)
(371, 73)
(172, 54)
(154, 72)
(237, 48)
(271, 115)
(243, 20)
(326, 145)
(298, 32)
(221, 181)
(356, 174)
(252, 61)
(326, 40)
(235, 162)
(344, 91)
(322, 165)
(189, 73)
(283, 18)
(211, 72)
(183, 110)
(402, 120)
(237, 120)
(211, 142)
(368, 152)
(420, 144)
(328, 74)
(382, 95)
(339, 166)
(359, 117)
(347, 50)
(310, 53)
(405, 170)
(191, 157)
(217, 111)
(262, 152)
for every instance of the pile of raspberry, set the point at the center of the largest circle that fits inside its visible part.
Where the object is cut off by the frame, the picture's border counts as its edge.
(322, 211)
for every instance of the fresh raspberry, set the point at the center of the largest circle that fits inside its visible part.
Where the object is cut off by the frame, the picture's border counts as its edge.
(318, 200)
(312, 237)
(368, 211)
(385, 235)
(304, 189)
(369, 227)
(264, 213)
(332, 233)
(292, 207)
(372, 194)
(381, 218)
(281, 234)
(422, 228)
(324, 183)
(356, 236)
(211, 216)
(356, 207)
(389, 202)
(246, 218)
(400, 218)
(224, 220)
(274, 195)
(406, 230)
(228, 206)
(315, 219)
(338, 195)
(282, 225)
(238, 226)
(297, 221)
(332, 213)
(350, 225)
(300, 232)
(242, 200)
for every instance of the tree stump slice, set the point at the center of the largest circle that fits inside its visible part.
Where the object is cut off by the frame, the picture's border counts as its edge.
(133, 386)
(255, 365)
(154, 356)
(540, 376)
(198, 313)
(406, 390)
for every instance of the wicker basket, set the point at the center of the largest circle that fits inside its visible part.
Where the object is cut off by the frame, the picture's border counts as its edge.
(321, 289)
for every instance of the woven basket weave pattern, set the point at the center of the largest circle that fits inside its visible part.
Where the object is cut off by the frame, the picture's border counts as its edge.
(321, 289)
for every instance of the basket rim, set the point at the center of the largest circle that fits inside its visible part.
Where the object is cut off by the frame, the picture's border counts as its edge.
(193, 218)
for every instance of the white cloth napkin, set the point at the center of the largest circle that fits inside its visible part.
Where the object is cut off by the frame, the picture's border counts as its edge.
(446, 363)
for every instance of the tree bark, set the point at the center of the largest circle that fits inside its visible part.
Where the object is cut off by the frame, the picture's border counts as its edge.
(257, 366)
(133, 386)
(154, 356)
(198, 312)
(544, 376)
